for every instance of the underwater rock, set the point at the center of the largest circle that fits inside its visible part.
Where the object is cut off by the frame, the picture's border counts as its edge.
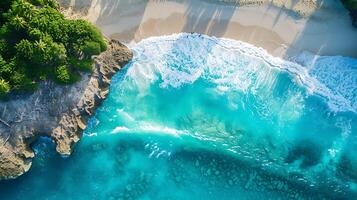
(347, 168)
(308, 152)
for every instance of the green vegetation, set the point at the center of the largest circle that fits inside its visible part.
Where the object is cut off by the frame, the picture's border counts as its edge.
(81, 65)
(38, 43)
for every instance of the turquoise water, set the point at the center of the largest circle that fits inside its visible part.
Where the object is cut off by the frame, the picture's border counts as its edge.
(195, 117)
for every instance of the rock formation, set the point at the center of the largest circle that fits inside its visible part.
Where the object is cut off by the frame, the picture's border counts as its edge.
(59, 112)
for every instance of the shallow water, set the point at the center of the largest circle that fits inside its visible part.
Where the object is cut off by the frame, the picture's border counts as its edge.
(195, 117)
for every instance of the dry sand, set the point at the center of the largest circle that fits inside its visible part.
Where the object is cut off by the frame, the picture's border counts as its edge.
(283, 28)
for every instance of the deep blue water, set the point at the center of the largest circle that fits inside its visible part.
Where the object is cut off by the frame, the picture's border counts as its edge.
(195, 117)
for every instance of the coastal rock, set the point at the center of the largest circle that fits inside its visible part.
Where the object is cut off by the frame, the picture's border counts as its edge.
(15, 161)
(59, 112)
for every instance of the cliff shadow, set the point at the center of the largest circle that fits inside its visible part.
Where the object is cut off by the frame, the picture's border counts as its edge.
(118, 19)
(206, 18)
(328, 31)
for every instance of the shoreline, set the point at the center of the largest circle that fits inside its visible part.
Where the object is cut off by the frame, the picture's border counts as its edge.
(283, 31)
(56, 111)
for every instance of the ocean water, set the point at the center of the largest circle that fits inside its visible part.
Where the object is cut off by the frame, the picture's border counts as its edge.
(197, 117)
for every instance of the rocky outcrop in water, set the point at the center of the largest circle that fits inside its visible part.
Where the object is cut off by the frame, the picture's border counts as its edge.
(59, 112)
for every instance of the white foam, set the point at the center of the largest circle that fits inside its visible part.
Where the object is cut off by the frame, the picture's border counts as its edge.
(145, 128)
(125, 115)
(230, 64)
(160, 129)
(91, 134)
(120, 129)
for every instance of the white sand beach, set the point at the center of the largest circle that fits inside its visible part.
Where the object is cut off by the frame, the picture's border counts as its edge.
(283, 28)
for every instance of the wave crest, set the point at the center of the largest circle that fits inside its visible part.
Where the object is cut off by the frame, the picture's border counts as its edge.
(183, 58)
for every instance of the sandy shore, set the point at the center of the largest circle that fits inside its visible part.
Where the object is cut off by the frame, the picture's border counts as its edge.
(284, 29)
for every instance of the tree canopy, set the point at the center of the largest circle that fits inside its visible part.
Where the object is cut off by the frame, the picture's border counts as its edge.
(38, 43)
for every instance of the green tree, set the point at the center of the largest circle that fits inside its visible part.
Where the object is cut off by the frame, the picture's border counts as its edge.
(25, 48)
(37, 42)
(6, 68)
(18, 22)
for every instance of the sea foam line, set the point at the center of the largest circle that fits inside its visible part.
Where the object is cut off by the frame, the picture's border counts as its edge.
(338, 99)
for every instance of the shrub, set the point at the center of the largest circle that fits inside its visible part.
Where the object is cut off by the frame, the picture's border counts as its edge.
(21, 82)
(51, 3)
(64, 75)
(36, 34)
(91, 48)
(97, 36)
(3, 45)
(25, 48)
(85, 65)
(6, 68)
(81, 32)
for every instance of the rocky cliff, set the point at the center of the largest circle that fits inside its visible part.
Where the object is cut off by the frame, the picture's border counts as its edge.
(59, 112)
